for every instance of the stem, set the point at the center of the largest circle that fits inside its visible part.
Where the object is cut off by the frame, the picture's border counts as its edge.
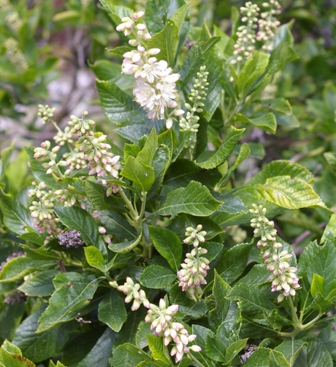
(297, 323)
(195, 360)
(133, 211)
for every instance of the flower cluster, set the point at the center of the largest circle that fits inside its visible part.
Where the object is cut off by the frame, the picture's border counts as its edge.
(15, 55)
(45, 112)
(70, 239)
(284, 278)
(195, 266)
(197, 96)
(42, 209)
(87, 149)
(161, 319)
(258, 27)
(155, 83)
(268, 24)
(246, 34)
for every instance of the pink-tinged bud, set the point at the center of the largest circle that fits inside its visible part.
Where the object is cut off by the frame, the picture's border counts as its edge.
(121, 27)
(101, 230)
(141, 27)
(195, 348)
(169, 123)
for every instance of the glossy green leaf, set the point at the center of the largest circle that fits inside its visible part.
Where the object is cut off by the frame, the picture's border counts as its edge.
(73, 291)
(218, 303)
(315, 355)
(40, 285)
(15, 216)
(156, 347)
(77, 218)
(11, 356)
(167, 41)
(120, 109)
(168, 244)
(194, 199)
(38, 346)
(266, 122)
(157, 277)
(289, 193)
(5, 155)
(100, 353)
(230, 141)
(232, 262)
(157, 12)
(267, 357)
(139, 173)
(282, 168)
(96, 259)
(117, 225)
(319, 260)
(291, 349)
(97, 195)
(112, 311)
(147, 153)
(252, 71)
(18, 267)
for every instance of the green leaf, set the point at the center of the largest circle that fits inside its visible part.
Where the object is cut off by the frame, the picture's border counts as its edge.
(232, 262)
(127, 246)
(147, 153)
(194, 199)
(157, 12)
(330, 229)
(252, 71)
(139, 173)
(267, 357)
(38, 346)
(120, 109)
(73, 291)
(97, 195)
(234, 349)
(5, 155)
(223, 152)
(251, 299)
(315, 355)
(266, 122)
(117, 225)
(95, 259)
(219, 304)
(318, 262)
(112, 310)
(168, 244)
(282, 168)
(40, 285)
(19, 267)
(15, 216)
(157, 277)
(289, 193)
(98, 356)
(167, 41)
(11, 356)
(291, 349)
(156, 347)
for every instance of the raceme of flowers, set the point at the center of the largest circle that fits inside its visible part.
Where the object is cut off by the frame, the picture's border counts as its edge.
(161, 319)
(284, 278)
(86, 149)
(254, 29)
(155, 83)
(195, 266)
(197, 96)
